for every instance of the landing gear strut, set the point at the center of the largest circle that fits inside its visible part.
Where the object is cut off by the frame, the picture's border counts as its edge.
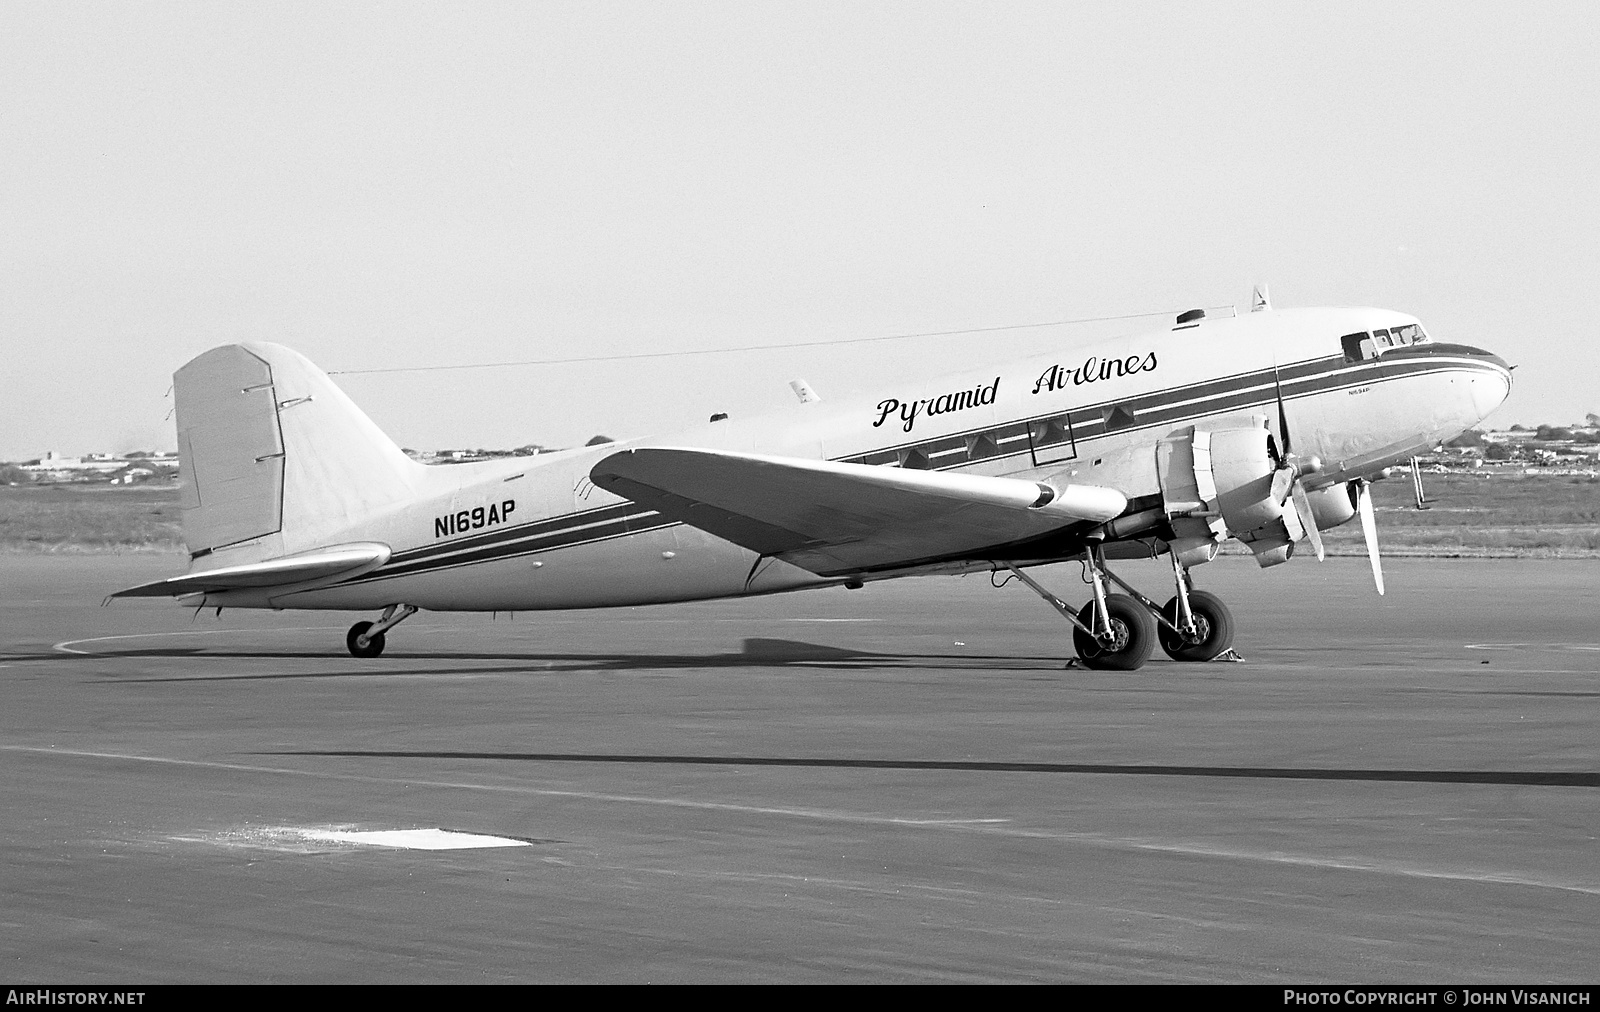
(1196, 626)
(1130, 641)
(365, 639)
(1118, 632)
(1112, 632)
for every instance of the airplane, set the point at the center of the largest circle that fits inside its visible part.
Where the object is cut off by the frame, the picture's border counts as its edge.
(1266, 427)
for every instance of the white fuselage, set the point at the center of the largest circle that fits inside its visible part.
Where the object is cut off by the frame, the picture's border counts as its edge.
(1091, 415)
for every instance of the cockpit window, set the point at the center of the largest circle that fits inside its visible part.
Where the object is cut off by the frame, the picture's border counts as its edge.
(1358, 347)
(1363, 346)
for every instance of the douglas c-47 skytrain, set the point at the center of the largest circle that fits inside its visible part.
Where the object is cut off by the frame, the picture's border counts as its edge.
(1265, 427)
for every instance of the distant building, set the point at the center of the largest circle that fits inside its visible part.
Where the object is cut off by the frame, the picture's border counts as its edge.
(95, 466)
(1509, 435)
(94, 462)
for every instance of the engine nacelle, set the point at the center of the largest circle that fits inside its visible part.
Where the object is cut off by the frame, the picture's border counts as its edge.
(1333, 505)
(1241, 471)
(1226, 476)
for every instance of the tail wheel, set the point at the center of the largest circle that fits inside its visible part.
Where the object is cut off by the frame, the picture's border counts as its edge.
(1133, 636)
(374, 645)
(1213, 628)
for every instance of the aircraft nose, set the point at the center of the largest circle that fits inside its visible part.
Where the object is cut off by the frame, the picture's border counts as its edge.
(1490, 389)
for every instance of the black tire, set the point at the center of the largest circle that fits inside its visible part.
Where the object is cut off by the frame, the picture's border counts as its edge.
(1213, 620)
(374, 645)
(1136, 636)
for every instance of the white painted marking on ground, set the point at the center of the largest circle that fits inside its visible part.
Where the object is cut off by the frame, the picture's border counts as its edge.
(833, 620)
(66, 646)
(1402, 868)
(1552, 647)
(1375, 866)
(309, 840)
(413, 839)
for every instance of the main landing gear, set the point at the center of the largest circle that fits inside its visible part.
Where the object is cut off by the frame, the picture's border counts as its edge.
(365, 639)
(1118, 632)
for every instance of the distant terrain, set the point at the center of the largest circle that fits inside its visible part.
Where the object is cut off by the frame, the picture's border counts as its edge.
(1492, 515)
(1489, 514)
(81, 517)
(88, 518)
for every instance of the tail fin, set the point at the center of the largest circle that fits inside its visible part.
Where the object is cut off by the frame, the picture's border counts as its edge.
(270, 446)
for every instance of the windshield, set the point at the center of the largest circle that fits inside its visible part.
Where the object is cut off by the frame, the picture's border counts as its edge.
(1361, 346)
(1358, 347)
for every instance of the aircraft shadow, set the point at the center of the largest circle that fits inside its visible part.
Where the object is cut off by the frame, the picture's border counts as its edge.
(1514, 778)
(754, 653)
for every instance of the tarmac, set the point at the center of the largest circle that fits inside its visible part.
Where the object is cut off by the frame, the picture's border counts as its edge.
(900, 783)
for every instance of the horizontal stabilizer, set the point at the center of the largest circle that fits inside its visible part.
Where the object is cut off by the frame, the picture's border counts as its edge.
(327, 562)
(834, 518)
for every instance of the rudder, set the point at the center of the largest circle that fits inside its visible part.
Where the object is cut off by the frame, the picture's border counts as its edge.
(229, 448)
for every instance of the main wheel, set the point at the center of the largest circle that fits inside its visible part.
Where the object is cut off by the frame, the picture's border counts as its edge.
(374, 645)
(1133, 636)
(1213, 624)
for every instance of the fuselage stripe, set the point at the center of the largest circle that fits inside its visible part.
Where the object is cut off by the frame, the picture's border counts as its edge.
(1155, 409)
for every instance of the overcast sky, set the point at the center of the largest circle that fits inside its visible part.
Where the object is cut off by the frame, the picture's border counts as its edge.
(430, 184)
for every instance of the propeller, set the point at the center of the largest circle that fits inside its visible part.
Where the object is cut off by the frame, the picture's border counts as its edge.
(1369, 528)
(1308, 520)
(1286, 479)
(1287, 484)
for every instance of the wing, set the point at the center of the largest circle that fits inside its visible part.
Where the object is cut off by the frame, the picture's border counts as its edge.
(340, 561)
(834, 518)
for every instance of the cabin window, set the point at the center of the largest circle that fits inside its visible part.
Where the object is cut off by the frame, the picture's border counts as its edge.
(945, 452)
(1049, 431)
(1117, 416)
(1011, 438)
(1358, 347)
(981, 445)
(1051, 440)
(878, 457)
(914, 457)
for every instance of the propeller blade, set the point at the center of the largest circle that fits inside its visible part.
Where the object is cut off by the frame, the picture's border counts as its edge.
(1369, 527)
(1283, 483)
(1302, 506)
(1283, 418)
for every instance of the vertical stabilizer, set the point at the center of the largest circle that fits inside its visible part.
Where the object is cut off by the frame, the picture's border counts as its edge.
(271, 446)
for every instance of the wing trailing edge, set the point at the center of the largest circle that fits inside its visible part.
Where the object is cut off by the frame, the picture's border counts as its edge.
(833, 518)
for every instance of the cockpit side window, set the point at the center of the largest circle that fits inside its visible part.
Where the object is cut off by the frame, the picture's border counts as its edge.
(1358, 347)
(1409, 334)
(1381, 339)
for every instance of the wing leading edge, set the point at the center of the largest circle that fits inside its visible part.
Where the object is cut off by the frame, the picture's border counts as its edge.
(344, 560)
(833, 518)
